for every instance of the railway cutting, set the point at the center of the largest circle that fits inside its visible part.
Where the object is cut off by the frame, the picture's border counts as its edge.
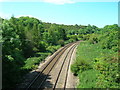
(55, 71)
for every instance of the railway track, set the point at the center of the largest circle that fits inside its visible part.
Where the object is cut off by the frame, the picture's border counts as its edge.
(63, 73)
(57, 68)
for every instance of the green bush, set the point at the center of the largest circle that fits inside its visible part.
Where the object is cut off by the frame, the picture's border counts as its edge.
(86, 37)
(61, 42)
(32, 63)
(43, 55)
(109, 74)
(79, 66)
(72, 38)
(52, 49)
(93, 38)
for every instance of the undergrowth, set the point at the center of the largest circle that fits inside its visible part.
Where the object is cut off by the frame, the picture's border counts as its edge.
(96, 67)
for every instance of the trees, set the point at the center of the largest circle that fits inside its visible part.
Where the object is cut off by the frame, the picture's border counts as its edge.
(27, 41)
(12, 54)
(109, 39)
(54, 34)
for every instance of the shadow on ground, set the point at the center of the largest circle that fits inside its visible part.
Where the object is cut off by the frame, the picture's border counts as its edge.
(29, 78)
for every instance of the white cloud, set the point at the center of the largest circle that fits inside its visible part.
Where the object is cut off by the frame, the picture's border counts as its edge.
(59, 1)
(4, 15)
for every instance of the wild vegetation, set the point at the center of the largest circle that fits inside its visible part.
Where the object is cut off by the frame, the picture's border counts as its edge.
(97, 64)
(26, 41)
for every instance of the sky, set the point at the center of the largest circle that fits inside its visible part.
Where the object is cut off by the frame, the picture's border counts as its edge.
(68, 12)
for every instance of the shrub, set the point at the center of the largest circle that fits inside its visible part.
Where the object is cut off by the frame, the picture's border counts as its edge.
(52, 49)
(86, 37)
(80, 65)
(93, 39)
(32, 62)
(61, 42)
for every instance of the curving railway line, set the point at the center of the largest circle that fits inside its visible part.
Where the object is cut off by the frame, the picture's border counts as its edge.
(54, 74)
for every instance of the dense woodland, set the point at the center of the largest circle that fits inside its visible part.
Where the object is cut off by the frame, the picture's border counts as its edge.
(26, 41)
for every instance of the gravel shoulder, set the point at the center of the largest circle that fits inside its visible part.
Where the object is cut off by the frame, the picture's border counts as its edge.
(71, 79)
(54, 73)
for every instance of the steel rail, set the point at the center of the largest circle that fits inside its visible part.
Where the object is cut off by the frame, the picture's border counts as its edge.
(63, 65)
(62, 50)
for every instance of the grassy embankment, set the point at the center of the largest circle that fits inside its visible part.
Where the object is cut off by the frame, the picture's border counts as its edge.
(96, 67)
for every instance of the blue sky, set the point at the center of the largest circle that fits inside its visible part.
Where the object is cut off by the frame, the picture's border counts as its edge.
(81, 13)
